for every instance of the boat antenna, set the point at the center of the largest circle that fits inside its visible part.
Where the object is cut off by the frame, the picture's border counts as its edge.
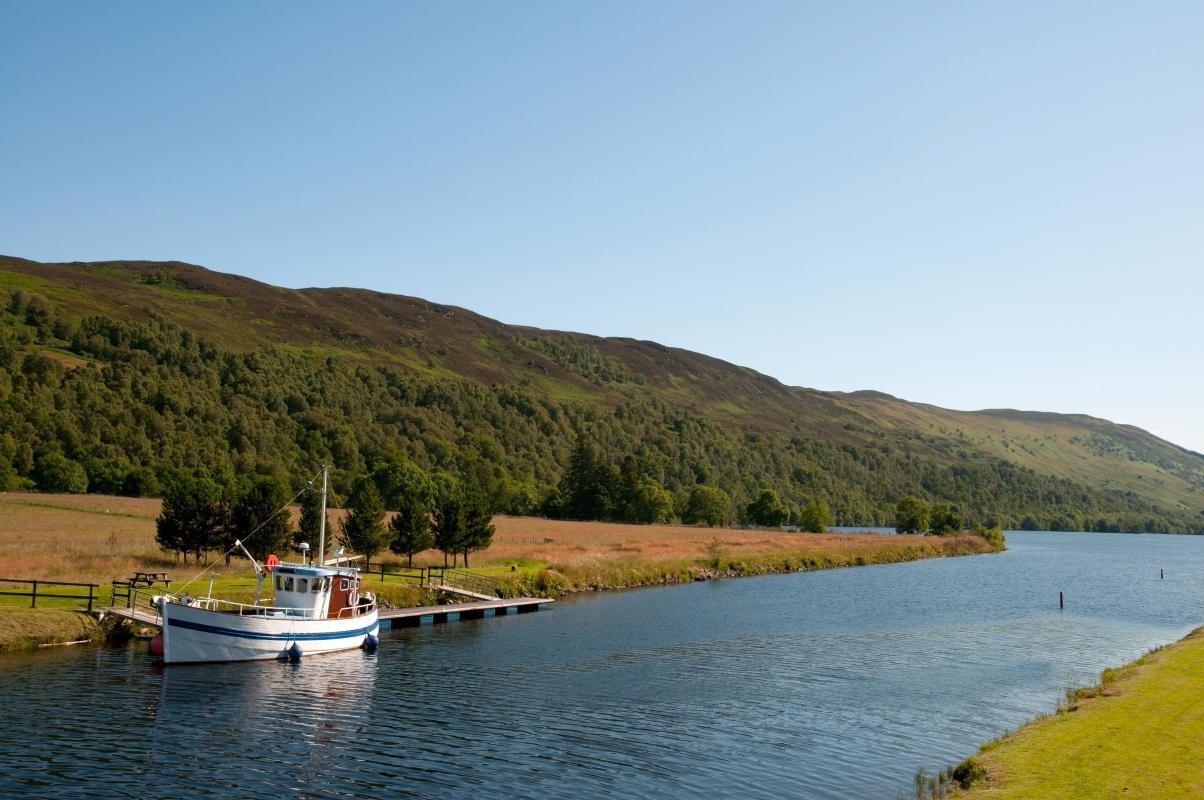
(322, 520)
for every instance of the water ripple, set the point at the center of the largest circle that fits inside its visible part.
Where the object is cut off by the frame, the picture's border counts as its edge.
(822, 685)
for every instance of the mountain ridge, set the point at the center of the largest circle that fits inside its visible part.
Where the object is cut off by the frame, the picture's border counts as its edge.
(597, 375)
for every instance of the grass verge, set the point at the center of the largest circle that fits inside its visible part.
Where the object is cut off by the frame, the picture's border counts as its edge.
(1136, 734)
(602, 573)
(27, 628)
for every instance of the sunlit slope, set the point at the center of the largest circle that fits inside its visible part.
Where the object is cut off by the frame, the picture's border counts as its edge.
(439, 341)
(1082, 448)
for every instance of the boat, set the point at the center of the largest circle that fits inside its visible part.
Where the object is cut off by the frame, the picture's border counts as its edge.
(316, 607)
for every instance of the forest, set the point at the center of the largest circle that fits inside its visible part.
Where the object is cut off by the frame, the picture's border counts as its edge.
(94, 403)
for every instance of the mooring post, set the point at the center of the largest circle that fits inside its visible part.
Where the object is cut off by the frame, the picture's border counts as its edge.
(1061, 600)
(1161, 575)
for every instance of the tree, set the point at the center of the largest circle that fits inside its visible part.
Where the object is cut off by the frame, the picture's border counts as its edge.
(768, 509)
(641, 498)
(411, 527)
(651, 502)
(478, 528)
(708, 505)
(363, 529)
(57, 473)
(398, 478)
(815, 517)
(309, 527)
(942, 519)
(194, 515)
(911, 515)
(588, 487)
(254, 521)
(447, 523)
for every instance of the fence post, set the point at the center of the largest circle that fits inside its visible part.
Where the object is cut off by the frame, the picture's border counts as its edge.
(34, 602)
(90, 587)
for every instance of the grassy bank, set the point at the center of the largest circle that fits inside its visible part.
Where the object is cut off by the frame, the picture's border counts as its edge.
(26, 628)
(97, 539)
(1134, 735)
(723, 558)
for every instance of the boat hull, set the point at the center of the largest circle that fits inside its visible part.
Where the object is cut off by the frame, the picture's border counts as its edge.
(194, 635)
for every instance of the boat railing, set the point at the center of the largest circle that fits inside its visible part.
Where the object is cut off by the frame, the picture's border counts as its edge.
(253, 610)
(364, 606)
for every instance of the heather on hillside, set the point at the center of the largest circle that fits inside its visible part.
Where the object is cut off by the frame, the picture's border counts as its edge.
(92, 402)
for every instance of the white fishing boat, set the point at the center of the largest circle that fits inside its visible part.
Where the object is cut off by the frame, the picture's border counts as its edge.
(316, 608)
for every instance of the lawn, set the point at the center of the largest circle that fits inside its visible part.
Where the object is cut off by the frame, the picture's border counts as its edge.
(1136, 736)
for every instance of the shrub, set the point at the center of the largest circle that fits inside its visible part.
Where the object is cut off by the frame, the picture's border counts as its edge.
(994, 536)
(969, 772)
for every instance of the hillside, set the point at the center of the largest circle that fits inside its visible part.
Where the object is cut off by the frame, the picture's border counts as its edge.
(128, 369)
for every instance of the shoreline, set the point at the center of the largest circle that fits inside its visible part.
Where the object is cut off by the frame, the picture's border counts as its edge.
(1133, 734)
(615, 574)
(31, 629)
(24, 629)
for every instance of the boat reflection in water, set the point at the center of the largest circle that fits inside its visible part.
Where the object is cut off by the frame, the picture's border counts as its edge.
(288, 721)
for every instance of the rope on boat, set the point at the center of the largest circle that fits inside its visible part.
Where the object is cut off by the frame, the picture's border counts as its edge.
(247, 538)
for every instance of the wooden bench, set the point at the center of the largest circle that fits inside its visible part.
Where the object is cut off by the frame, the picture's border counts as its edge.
(149, 579)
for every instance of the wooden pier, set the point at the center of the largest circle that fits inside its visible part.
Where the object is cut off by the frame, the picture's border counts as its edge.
(398, 617)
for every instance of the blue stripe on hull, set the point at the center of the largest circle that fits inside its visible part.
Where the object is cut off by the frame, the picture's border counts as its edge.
(283, 637)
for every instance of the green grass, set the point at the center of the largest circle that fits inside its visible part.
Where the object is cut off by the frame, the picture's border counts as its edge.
(25, 628)
(1136, 735)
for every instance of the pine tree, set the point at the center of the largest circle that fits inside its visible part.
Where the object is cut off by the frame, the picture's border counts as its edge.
(363, 529)
(194, 516)
(448, 523)
(478, 529)
(252, 520)
(308, 529)
(411, 528)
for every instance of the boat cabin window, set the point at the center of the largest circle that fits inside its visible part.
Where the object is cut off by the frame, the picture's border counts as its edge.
(318, 584)
(302, 584)
(343, 584)
(279, 582)
(288, 583)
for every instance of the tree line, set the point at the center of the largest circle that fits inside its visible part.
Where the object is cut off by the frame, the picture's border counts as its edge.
(200, 515)
(115, 406)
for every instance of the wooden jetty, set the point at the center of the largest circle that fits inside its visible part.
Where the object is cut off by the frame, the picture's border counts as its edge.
(398, 617)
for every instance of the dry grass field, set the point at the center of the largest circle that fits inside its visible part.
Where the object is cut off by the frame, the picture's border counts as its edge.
(99, 538)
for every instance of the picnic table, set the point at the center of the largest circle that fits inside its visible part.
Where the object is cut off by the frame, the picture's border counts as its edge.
(149, 579)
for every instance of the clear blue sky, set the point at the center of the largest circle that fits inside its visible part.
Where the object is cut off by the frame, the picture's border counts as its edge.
(968, 204)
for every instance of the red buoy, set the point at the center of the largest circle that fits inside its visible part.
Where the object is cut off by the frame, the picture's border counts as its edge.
(156, 644)
(271, 561)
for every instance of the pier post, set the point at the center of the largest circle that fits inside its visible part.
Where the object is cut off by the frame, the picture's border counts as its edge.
(1061, 600)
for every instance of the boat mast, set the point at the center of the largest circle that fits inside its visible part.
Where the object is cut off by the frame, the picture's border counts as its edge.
(322, 521)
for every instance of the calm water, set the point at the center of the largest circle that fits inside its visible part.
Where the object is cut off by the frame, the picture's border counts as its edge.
(823, 685)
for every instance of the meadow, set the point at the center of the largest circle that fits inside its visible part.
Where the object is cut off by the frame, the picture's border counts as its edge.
(99, 538)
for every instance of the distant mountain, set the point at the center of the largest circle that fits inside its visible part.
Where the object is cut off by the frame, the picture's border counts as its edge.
(130, 368)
